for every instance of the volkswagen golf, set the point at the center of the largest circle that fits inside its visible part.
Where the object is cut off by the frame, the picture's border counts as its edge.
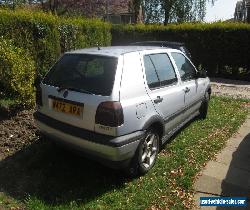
(119, 105)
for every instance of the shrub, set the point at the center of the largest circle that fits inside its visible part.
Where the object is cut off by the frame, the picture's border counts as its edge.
(221, 48)
(17, 72)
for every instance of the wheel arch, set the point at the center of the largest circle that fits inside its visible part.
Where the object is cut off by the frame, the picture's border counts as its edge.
(156, 122)
(209, 90)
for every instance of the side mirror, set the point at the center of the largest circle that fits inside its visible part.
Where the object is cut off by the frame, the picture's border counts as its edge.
(201, 74)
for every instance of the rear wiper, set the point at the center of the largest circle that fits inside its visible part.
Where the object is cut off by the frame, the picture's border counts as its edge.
(59, 89)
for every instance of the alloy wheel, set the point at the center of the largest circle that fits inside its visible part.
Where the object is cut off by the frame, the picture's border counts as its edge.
(149, 150)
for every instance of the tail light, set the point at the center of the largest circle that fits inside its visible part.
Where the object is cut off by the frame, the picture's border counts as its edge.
(109, 113)
(39, 100)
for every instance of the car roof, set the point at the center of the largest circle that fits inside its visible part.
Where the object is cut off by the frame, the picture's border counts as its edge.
(114, 51)
(167, 44)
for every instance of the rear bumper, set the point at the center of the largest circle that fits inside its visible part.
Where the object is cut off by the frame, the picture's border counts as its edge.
(112, 151)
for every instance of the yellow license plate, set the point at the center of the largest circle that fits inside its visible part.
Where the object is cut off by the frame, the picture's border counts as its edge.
(67, 108)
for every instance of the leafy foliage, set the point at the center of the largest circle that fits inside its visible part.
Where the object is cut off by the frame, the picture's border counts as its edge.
(36, 32)
(169, 11)
(17, 72)
(87, 8)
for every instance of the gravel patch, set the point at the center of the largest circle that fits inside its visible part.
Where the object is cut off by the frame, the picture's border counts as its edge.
(231, 91)
(231, 88)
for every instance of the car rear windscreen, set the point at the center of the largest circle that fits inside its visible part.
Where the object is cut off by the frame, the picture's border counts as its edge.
(84, 73)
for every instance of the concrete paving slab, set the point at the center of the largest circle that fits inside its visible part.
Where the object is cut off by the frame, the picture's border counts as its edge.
(235, 141)
(238, 159)
(221, 171)
(217, 177)
(216, 170)
(208, 184)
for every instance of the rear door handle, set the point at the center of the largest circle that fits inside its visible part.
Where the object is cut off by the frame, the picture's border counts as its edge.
(158, 100)
(186, 90)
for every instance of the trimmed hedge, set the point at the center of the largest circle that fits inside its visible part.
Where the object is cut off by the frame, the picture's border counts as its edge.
(222, 48)
(17, 72)
(45, 37)
(81, 33)
(36, 32)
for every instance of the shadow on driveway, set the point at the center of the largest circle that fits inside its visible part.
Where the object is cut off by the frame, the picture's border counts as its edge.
(55, 176)
(237, 180)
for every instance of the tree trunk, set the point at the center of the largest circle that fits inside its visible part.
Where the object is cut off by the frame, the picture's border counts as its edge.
(53, 4)
(248, 14)
(136, 8)
(167, 10)
(167, 15)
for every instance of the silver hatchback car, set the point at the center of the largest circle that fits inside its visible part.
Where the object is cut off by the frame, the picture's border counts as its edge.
(120, 104)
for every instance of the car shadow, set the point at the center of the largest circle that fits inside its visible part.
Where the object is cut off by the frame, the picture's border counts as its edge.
(55, 176)
(237, 180)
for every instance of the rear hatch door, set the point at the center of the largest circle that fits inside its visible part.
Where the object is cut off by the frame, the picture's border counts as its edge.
(76, 85)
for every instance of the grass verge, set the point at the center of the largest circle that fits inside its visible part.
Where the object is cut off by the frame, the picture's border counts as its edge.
(42, 178)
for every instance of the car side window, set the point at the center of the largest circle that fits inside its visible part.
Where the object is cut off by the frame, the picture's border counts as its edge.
(186, 69)
(164, 68)
(151, 75)
(159, 70)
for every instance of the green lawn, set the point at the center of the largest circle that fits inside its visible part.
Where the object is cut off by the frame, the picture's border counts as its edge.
(42, 177)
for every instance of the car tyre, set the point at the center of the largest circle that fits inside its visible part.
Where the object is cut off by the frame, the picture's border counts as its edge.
(146, 154)
(204, 107)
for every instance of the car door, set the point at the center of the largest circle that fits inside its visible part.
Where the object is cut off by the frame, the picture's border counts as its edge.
(163, 87)
(191, 86)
